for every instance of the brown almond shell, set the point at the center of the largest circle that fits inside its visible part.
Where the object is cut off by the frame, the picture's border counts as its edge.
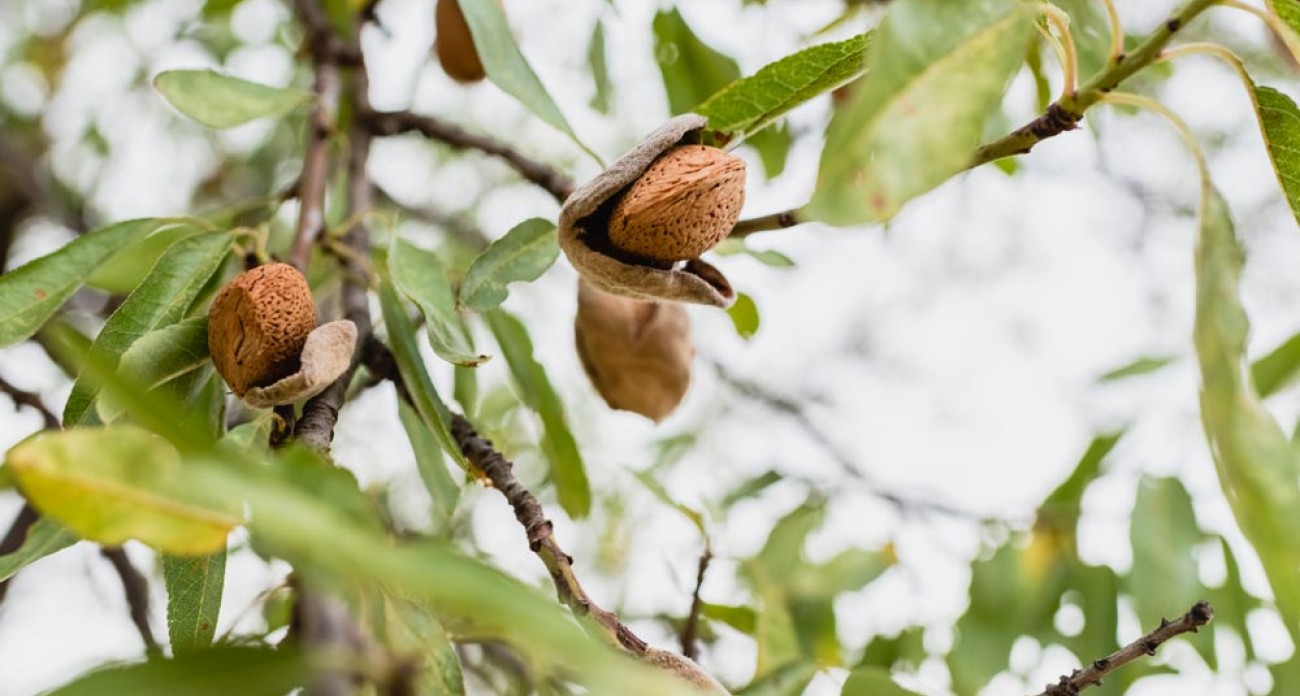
(584, 231)
(258, 324)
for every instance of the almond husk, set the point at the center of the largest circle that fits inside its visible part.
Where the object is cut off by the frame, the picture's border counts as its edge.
(685, 669)
(637, 353)
(684, 204)
(454, 44)
(584, 231)
(258, 324)
(326, 355)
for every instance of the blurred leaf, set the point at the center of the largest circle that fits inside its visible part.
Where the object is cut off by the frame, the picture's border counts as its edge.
(788, 680)
(465, 389)
(1091, 31)
(194, 585)
(161, 300)
(567, 469)
(750, 488)
(523, 255)
(1277, 369)
(597, 62)
(129, 488)
(221, 101)
(1164, 578)
(217, 672)
(421, 277)
(162, 356)
(872, 681)
(850, 570)
(507, 67)
(934, 72)
(1256, 463)
(773, 147)
(905, 650)
(33, 292)
(124, 270)
(651, 484)
(742, 619)
(1063, 506)
(691, 69)
(1232, 604)
(428, 460)
(785, 543)
(750, 104)
(401, 338)
(1141, 366)
(744, 316)
(44, 538)
(414, 632)
(775, 632)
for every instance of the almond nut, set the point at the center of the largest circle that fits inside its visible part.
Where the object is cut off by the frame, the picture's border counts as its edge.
(637, 353)
(258, 324)
(454, 44)
(585, 227)
(682, 206)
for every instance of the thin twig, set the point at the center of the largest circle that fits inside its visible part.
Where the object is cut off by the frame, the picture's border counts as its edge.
(775, 221)
(315, 163)
(690, 646)
(1071, 685)
(528, 511)
(323, 42)
(386, 123)
(15, 537)
(23, 398)
(136, 588)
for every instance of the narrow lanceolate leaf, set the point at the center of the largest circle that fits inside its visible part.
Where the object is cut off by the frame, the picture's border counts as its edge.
(161, 300)
(172, 355)
(567, 469)
(125, 269)
(116, 483)
(222, 101)
(443, 491)
(506, 66)
(33, 292)
(596, 60)
(522, 255)
(1277, 369)
(406, 352)
(225, 670)
(1142, 366)
(44, 538)
(692, 70)
(1289, 12)
(194, 585)
(422, 278)
(1257, 466)
(412, 630)
(872, 681)
(935, 70)
(1279, 119)
(752, 103)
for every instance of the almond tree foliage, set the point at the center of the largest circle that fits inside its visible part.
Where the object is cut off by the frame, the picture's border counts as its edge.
(155, 447)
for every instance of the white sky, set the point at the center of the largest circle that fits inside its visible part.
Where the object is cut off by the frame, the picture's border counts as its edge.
(954, 354)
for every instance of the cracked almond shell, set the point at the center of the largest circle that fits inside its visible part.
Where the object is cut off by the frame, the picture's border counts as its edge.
(584, 233)
(258, 324)
(637, 353)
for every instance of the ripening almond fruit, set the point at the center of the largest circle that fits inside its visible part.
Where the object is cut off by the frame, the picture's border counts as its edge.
(637, 353)
(454, 44)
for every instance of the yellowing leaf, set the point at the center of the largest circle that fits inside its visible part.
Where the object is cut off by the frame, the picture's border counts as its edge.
(117, 483)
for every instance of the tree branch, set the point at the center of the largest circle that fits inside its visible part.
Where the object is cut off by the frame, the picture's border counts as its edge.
(23, 398)
(315, 162)
(528, 511)
(1071, 685)
(15, 537)
(690, 648)
(386, 123)
(136, 588)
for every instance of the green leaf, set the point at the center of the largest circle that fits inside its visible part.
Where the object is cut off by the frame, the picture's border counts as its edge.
(935, 70)
(44, 538)
(221, 101)
(401, 339)
(161, 357)
(1164, 578)
(872, 681)
(428, 460)
(905, 650)
(522, 255)
(1289, 12)
(790, 679)
(1279, 119)
(750, 488)
(773, 148)
(412, 630)
(1142, 366)
(750, 104)
(33, 292)
(742, 619)
(194, 585)
(1091, 31)
(506, 66)
(744, 316)
(598, 63)
(848, 571)
(129, 488)
(651, 484)
(218, 672)
(567, 469)
(161, 300)
(1062, 506)
(124, 270)
(692, 70)
(1277, 369)
(423, 279)
(1256, 463)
